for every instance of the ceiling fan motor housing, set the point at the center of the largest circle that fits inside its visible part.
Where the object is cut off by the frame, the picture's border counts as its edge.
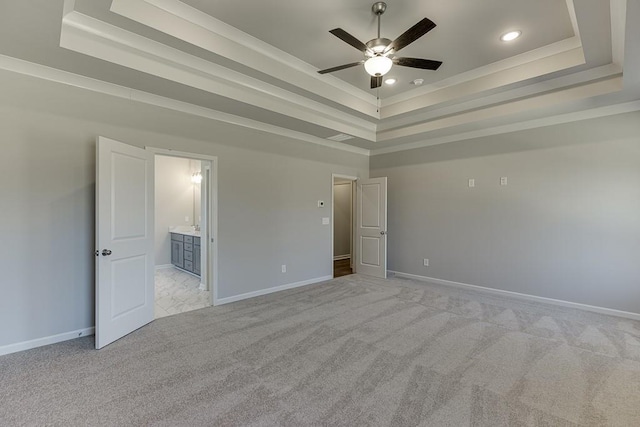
(377, 46)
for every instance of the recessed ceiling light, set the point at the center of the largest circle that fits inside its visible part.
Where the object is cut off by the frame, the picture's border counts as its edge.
(390, 81)
(417, 82)
(511, 35)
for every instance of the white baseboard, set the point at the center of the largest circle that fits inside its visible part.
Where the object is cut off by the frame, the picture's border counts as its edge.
(526, 297)
(39, 342)
(164, 266)
(339, 257)
(240, 297)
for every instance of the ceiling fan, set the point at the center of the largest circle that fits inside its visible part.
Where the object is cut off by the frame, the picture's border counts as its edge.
(378, 52)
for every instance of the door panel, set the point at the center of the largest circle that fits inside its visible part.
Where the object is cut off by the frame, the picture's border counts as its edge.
(370, 205)
(370, 250)
(372, 227)
(124, 240)
(125, 273)
(128, 197)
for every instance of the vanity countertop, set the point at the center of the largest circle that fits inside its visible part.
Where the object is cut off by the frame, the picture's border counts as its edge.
(186, 231)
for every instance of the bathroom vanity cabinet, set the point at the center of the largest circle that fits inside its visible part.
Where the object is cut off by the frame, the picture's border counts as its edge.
(185, 252)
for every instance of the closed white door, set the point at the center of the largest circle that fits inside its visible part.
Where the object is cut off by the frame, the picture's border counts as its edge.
(371, 235)
(124, 240)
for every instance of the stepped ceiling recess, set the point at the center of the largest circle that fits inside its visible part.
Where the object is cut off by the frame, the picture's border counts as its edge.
(256, 63)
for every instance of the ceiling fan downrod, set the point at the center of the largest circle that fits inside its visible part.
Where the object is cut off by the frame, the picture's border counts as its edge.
(378, 45)
(378, 9)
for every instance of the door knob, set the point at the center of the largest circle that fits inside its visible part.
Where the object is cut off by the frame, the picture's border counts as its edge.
(106, 252)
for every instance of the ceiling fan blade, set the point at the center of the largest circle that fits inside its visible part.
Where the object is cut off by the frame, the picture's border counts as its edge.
(376, 81)
(348, 38)
(425, 64)
(411, 35)
(340, 67)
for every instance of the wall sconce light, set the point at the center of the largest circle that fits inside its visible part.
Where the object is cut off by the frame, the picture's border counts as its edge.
(196, 177)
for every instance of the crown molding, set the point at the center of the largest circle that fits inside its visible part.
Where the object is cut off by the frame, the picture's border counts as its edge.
(452, 106)
(55, 75)
(186, 23)
(613, 84)
(618, 26)
(191, 25)
(504, 97)
(507, 69)
(93, 37)
(486, 82)
(592, 113)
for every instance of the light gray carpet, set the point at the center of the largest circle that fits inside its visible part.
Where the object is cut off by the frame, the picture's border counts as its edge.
(353, 351)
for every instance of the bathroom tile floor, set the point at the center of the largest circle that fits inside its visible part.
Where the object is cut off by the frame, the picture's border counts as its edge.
(178, 292)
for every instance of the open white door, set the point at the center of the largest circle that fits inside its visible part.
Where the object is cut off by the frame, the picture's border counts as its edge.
(124, 240)
(371, 250)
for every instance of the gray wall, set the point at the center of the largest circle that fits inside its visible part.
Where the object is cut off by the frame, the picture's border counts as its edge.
(342, 219)
(567, 225)
(268, 212)
(174, 200)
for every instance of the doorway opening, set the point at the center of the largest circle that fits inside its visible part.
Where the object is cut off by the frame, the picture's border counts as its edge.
(343, 203)
(184, 219)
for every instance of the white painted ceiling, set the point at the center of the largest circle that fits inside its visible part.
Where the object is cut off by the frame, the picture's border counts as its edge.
(255, 63)
(466, 36)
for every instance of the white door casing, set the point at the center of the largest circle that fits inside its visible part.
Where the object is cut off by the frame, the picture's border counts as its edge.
(124, 239)
(371, 251)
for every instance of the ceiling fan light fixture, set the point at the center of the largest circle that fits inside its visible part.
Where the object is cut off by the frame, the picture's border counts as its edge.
(510, 36)
(378, 65)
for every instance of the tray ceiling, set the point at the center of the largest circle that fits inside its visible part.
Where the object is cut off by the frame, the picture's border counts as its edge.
(255, 63)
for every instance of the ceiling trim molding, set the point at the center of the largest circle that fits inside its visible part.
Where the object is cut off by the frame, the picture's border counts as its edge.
(557, 62)
(196, 27)
(93, 37)
(546, 100)
(503, 97)
(186, 23)
(571, 8)
(618, 25)
(500, 95)
(500, 69)
(609, 110)
(43, 72)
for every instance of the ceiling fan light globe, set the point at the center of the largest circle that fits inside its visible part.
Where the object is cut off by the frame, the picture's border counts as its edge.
(378, 65)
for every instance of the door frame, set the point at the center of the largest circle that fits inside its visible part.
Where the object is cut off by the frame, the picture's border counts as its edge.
(354, 180)
(212, 208)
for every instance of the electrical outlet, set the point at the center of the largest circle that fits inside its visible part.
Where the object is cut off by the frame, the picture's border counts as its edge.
(425, 262)
(503, 180)
(284, 268)
(472, 183)
(186, 219)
